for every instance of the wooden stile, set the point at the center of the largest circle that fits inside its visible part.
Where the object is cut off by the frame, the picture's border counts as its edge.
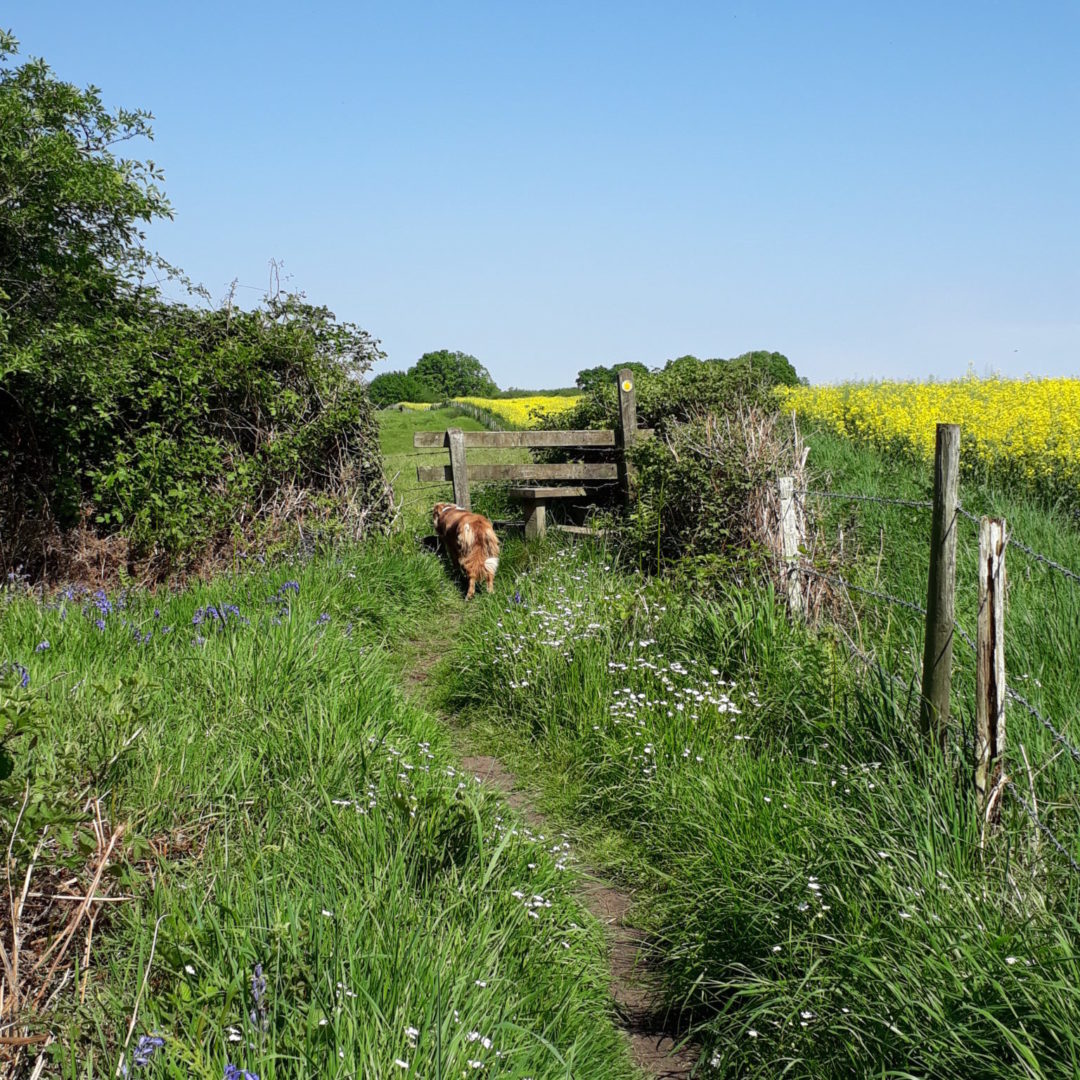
(990, 665)
(941, 588)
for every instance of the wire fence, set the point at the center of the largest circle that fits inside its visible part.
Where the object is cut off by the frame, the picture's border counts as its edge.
(837, 581)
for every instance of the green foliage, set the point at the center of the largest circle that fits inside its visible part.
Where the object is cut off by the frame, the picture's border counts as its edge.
(121, 412)
(822, 896)
(394, 386)
(697, 480)
(588, 379)
(453, 374)
(310, 818)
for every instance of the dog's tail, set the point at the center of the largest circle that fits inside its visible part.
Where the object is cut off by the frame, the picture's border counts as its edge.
(490, 543)
(465, 538)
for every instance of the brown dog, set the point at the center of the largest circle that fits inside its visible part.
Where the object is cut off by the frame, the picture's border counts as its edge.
(471, 541)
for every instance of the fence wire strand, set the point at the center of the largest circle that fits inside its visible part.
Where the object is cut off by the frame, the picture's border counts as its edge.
(916, 504)
(1058, 737)
(887, 597)
(1012, 541)
(1042, 826)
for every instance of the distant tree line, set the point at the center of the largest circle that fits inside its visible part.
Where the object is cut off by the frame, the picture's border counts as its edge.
(436, 376)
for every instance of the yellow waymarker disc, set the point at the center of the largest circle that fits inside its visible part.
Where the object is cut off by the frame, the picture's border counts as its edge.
(627, 386)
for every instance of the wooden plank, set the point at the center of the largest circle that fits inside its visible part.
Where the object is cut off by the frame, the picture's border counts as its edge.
(433, 474)
(546, 493)
(941, 588)
(458, 474)
(628, 430)
(512, 440)
(789, 532)
(990, 662)
(582, 530)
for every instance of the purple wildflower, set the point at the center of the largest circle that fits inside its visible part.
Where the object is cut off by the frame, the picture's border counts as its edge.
(198, 640)
(157, 613)
(197, 618)
(290, 586)
(234, 1072)
(41, 646)
(99, 623)
(323, 619)
(145, 1048)
(258, 994)
(166, 630)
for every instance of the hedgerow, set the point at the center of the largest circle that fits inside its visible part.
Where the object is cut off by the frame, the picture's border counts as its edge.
(133, 428)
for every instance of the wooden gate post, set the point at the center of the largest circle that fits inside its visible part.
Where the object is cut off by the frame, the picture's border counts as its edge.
(457, 468)
(941, 588)
(990, 669)
(627, 431)
(789, 533)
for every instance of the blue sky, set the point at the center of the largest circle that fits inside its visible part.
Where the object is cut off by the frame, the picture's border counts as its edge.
(875, 190)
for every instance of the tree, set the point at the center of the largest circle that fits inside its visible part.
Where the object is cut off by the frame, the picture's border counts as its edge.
(454, 374)
(590, 378)
(71, 209)
(394, 386)
(126, 413)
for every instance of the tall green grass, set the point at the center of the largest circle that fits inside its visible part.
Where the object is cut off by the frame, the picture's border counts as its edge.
(301, 814)
(887, 549)
(816, 885)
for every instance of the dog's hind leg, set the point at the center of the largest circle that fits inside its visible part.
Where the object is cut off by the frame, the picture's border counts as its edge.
(472, 589)
(489, 577)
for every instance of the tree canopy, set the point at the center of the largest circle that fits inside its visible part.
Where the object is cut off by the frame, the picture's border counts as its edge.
(454, 374)
(588, 379)
(121, 412)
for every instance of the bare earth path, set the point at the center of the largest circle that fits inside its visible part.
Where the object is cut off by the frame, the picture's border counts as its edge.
(652, 1043)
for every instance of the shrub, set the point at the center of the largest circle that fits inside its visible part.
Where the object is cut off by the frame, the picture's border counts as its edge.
(700, 480)
(125, 414)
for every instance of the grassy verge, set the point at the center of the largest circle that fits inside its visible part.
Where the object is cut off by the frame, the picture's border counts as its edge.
(322, 894)
(816, 886)
(886, 549)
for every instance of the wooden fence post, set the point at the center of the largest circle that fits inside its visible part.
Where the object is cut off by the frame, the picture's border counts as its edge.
(628, 431)
(990, 669)
(457, 468)
(941, 588)
(789, 532)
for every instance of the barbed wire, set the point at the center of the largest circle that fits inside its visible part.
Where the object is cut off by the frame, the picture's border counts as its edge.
(887, 597)
(966, 638)
(1012, 541)
(1064, 570)
(917, 504)
(1042, 826)
(1058, 737)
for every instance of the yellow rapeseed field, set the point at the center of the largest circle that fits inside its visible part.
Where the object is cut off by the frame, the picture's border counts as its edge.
(522, 411)
(1027, 429)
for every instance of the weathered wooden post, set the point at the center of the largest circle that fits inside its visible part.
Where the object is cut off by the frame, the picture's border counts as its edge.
(790, 540)
(941, 588)
(990, 669)
(627, 431)
(458, 474)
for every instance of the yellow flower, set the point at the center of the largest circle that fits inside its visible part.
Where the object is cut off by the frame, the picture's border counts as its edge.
(1027, 429)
